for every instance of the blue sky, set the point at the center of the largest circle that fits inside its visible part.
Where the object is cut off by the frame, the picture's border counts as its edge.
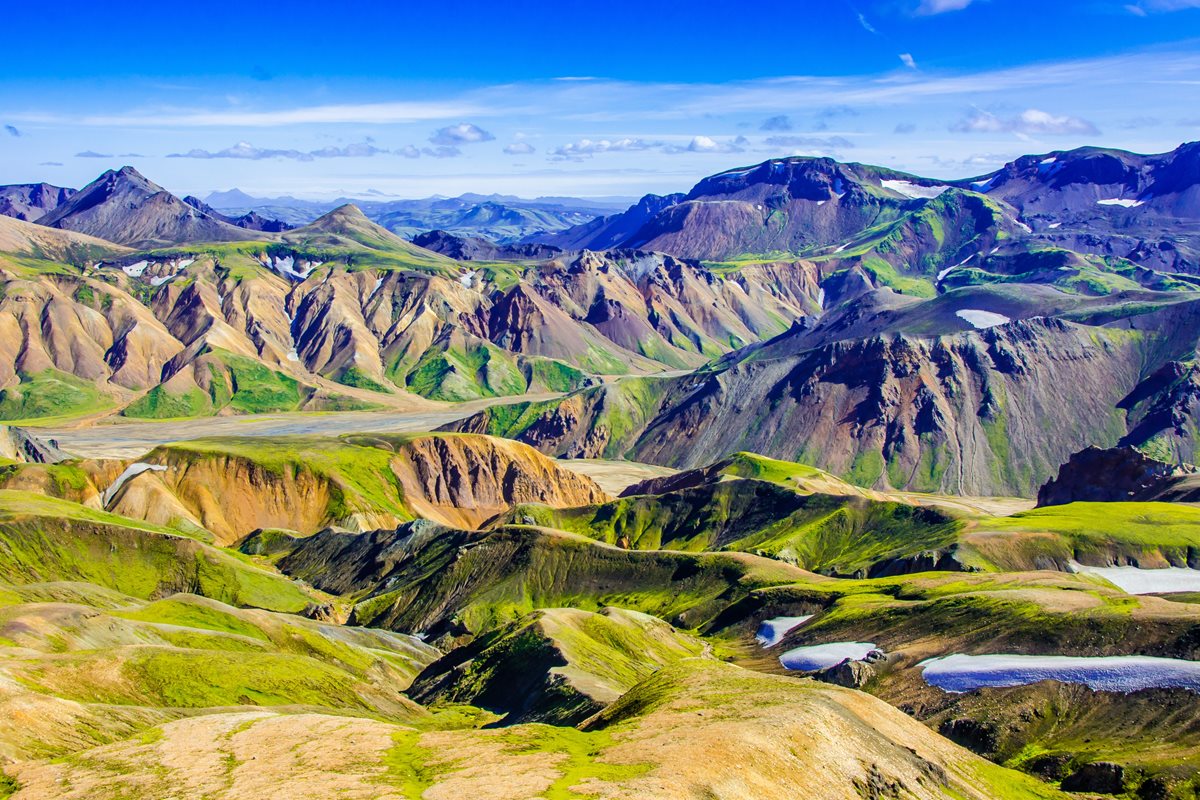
(584, 99)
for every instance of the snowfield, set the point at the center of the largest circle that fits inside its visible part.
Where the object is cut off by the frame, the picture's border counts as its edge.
(981, 319)
(914, 190)
(772, 631)
(1135, 580)
(821, 656)
(963, 673)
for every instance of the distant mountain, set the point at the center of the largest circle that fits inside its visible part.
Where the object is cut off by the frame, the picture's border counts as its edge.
(30, 201)
(251, 221)
(500, 218)
(612, 231)
(1111, 204)
(124, 207)
(476, 248)
(1145, 208)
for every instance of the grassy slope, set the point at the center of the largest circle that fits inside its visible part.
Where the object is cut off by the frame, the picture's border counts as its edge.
(47, 539)
(1150, 534)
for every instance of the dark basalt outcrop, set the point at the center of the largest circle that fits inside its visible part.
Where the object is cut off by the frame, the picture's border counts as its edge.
(1119, 474)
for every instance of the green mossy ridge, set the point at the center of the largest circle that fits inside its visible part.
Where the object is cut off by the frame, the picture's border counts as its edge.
(823, 533)
(487, 580)
(1098, 533)
(181, 612)
(361, 478)
(973, 612)
(50, 393)
(47, 539)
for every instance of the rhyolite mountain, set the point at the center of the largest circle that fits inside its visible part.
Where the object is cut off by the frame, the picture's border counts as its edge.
(31, 201)
(122, 206)
(897, 392)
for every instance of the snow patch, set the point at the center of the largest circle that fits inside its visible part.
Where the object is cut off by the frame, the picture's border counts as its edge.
(467, 278)
(984, 186)
(981, 319)
(288, 267)
(772, 631)
(914, 190)
(135, 269)
(1135, 580)
(1054, 225)
(963, 673)
(821, 298)
(160, 280)
(821, 656)
(1119, 202)
(132, 471)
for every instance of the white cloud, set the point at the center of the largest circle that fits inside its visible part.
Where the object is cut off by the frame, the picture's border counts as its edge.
(460, 134)
(706, 144)
(908, 60)
(1030, 122)
(586, 148)
(867, 26)
(519, 149)
(942, 6)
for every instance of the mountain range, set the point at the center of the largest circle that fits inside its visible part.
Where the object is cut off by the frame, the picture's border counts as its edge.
(733, 494)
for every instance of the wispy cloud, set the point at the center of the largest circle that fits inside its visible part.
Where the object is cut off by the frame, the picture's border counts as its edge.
(50, 164)
(929, 7)
(1029, 123)
(12, 130)
(1145, 8)
(92, 154)
(247, 151)
(809, 142)
(908, 60)
(350, 114)
(866, 25)
(456, 135)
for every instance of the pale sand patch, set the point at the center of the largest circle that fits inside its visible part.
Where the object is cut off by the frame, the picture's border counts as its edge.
(615, 477)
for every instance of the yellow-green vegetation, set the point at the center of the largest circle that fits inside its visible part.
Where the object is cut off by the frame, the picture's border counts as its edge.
(485, 580)
(943, 613)
(1092, 533)
(556, 665)
(841, 535)
(360, 479)
(50, 393)
(49, 539)
(473, 368)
